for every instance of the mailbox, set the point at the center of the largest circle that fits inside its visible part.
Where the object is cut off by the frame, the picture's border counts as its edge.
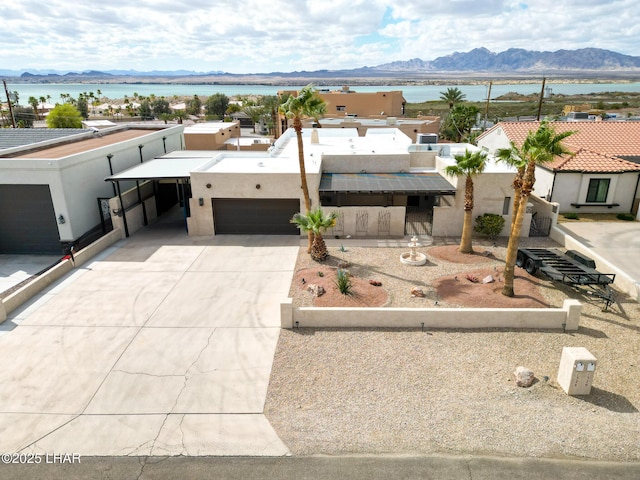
(577, 368)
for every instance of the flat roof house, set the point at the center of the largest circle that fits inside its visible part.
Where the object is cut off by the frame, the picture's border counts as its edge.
(51, 179)
(381, 185)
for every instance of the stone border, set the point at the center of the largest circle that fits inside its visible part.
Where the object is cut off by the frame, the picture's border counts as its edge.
(20, 296)
(565, 318)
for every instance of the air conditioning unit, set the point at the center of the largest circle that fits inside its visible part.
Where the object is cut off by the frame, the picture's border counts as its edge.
(427, 138)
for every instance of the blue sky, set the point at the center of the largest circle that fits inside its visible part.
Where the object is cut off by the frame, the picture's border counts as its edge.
(253, 36)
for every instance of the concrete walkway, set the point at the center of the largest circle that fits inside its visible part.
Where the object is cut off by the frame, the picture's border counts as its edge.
(161, 346)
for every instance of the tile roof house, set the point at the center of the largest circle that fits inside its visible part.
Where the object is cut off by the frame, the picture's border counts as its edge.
(602, 175)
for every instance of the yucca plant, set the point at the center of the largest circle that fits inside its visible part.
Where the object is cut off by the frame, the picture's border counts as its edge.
(343, 282)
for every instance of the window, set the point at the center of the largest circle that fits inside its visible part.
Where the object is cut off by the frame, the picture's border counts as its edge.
(506, 205)
(598, 190)
(341, 108)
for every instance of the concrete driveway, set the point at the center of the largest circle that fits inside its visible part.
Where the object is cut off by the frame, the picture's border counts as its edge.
(161, 346)
(615, 243)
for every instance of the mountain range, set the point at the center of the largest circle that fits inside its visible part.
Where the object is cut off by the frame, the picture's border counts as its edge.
(513, 60)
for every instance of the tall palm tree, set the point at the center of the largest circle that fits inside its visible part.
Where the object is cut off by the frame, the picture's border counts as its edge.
(33, 101)
(539, 147)
(468, 165)
(452, 96)
(308, 104)
(316, 222)
(513, 156)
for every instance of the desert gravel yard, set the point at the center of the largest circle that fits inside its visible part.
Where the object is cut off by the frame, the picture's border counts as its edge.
(452, 391)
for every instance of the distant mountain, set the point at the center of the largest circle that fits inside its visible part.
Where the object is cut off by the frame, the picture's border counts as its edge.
(519, 60)
(480, 60)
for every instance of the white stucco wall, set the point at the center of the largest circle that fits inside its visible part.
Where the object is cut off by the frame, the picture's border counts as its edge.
(76, 181)
(572, 188)
(490, 190)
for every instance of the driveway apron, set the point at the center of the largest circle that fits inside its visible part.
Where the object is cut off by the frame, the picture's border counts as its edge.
(161, 346)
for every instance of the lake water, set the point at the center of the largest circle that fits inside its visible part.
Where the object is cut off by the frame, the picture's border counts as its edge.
(412, 93)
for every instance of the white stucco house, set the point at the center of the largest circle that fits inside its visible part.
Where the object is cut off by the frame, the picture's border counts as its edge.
(602, 176)
(380, 184)
(51, 179)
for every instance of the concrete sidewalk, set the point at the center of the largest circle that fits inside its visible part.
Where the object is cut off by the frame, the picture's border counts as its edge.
(161, 346)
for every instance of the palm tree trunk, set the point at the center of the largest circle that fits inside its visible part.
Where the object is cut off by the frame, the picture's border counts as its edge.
(319, 251)
(467, 226)
(512, 248)
(297, 126)
(467, 229)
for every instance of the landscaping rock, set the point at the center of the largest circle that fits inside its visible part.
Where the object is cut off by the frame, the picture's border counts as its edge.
(375, 283)
(488, 279)
(524, 377)
(417, 292)
(317, 290)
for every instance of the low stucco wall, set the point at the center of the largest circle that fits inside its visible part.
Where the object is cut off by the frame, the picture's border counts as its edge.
(368, 221)
(623, 281)
(567, 317)
(96, 247)
(17, 298)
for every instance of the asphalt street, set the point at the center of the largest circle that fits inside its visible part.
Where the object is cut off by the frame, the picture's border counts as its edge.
(318, 467)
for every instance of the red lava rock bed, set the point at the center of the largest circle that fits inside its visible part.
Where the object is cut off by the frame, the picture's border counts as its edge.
(443, 280)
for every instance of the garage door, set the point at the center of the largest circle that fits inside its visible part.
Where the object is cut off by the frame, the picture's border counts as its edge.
(27, 220)
(264, 216)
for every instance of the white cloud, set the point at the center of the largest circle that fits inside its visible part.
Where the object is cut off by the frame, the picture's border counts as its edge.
(257, 36)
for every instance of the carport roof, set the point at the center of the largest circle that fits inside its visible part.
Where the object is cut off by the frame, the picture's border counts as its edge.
(161, 168)
(415, 183)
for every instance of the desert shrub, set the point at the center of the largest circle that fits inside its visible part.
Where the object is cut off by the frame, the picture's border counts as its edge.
(571, 216)
(489, 224)
(625, 216)
(343, 282)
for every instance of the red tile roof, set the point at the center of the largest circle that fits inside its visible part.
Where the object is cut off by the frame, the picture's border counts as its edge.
(588, 161)
(598, 145)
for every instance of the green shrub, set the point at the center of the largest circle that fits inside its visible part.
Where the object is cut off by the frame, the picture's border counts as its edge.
(571, 216)
(489, 224)
(343, 282)
(625, 216)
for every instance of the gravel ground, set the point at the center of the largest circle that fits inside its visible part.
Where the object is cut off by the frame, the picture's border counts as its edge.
(451, 391)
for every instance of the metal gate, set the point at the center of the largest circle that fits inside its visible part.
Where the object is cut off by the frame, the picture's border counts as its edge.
(418, 221)
(105, 215)
(540, 226)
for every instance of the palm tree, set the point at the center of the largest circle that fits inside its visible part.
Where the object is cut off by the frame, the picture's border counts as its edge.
(316, 222)
(512, 156)
(452, 96)
(468, 165)
(539, 147)
(307, 103)
(33, 101)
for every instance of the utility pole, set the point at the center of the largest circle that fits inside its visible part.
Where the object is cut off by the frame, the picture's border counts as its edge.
(544, 79)
(13, 120)
(486, 111)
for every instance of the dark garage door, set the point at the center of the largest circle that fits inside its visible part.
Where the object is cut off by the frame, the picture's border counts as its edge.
(27, 220)
(266, 216)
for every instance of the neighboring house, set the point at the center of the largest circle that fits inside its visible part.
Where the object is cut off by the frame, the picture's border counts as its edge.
(51, 179)
(211, 135)
(602, 176)
(381, 185)
(419, 130)
(347, 104)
